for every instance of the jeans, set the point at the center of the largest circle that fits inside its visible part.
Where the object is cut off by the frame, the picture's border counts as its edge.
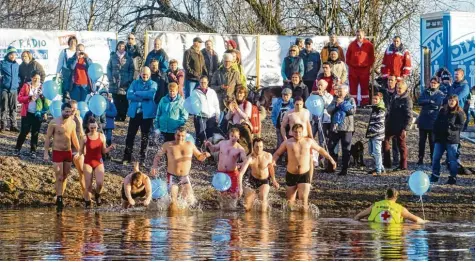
(345, 139)
(134, 124)
(29, 123)
(188, 86)
(204, 128)
(402, 147)
(375, 151)
(421, 143)
(469, 113)
(79, 92)
(121, 103)
(451, 150)
(8, 102)
(108, 134)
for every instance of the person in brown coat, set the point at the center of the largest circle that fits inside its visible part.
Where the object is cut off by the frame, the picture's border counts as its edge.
(194, 66)
(224, 80)
(326, 50)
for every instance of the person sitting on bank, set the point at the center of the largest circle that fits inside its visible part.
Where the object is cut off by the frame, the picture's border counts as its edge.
(388, 211)
(136, 185)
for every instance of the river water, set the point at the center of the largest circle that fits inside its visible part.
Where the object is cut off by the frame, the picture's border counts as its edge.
(41, 234)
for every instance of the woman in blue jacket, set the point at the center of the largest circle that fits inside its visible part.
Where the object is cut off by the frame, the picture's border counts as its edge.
(9, 73)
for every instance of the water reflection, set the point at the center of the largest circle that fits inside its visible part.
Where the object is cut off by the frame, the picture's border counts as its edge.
(79, 235)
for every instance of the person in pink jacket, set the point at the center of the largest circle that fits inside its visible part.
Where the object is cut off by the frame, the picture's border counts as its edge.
(176, 75)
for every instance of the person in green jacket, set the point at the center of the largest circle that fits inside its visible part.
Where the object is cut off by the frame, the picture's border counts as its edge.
(171, 113)
(388, 211)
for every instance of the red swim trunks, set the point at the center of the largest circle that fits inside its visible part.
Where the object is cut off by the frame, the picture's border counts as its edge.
(62, 156)
(234, 176)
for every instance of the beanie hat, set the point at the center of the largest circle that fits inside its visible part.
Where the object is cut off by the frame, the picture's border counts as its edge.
(11, 49)
(333, 49)
(232, 43)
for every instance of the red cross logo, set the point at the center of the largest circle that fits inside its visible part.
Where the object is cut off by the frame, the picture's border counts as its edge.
(385, 215)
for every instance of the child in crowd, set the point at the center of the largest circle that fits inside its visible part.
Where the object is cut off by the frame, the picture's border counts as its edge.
(376, 133)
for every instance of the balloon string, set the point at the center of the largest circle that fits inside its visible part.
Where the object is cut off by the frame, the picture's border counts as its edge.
(422, 208)
(323, 135)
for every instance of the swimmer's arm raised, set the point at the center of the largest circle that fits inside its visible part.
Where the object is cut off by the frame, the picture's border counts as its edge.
(364, 213)
(407, 215)
(49, 133)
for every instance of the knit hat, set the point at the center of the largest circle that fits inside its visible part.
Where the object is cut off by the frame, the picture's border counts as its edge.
(232, 43)
(333, 49)
(11, 49)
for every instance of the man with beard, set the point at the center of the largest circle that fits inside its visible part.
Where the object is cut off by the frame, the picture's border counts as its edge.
(63, 131)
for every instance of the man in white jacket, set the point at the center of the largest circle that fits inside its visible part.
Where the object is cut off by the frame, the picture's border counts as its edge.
(207, 121)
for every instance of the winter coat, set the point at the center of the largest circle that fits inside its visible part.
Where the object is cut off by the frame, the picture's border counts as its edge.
(325, 117)
(161, 56)
(339, 69)
(42, 104)
(209, 102)
(330, 82)
(291, 65)
(400, 114)
(100, 120)
(72, 62)
(299, 90)
(62, 66)
(360, 56)
(376, 127)
(177, 77)
(111, 113)
(326, 52)
(27, 69)
(277, 107)
(162, 86)
(396, 62)
(194, 64)
(170, 114)
(141, 94)
(120, 73)
(348, 124)
(461, 89)
(133, 51)
(448, 126)
(228, 77)
(9, 71)
(387, 97)
(430, 102)
(211, 61)
(312, 63)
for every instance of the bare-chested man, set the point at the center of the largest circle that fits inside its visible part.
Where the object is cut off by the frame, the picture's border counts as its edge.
(63, 131)
(298, 169)
(230, 153)
(262, 169)
(298, 115)
(136, 185)
(179, 162)
(78, 159)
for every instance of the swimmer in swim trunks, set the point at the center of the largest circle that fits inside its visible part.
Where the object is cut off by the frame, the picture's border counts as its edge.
(136, 186)
(298, 175)
(179, 162)
(93, 146)
(230, 153)
(262, 170)
(63, 131)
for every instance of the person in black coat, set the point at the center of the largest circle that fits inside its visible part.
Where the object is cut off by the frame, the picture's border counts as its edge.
(297, 86)
(447, 129)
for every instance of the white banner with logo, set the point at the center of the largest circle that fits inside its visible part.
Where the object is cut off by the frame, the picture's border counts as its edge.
(46, 46)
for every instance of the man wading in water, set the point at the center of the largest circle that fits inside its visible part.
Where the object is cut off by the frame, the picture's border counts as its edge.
(179, 162)
(63, 131)
(230, 153)
(298, 169)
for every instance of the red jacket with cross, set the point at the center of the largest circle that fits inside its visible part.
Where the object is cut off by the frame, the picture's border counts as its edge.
(397, 62)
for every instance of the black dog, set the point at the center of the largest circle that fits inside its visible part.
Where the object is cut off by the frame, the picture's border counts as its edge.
(357, 153)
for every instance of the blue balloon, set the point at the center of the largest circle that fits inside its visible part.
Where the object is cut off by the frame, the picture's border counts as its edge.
(55, 108)
(83, 108)
(189, 138)
(419, 183)
(97, 105)
(159, 188)
(193, 105)
(315, 105)
(51, 89)
(95, 72)
(221, 182)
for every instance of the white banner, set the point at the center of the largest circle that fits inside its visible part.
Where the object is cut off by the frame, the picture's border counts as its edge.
(273, 50)
(175, 45)
(47, 45)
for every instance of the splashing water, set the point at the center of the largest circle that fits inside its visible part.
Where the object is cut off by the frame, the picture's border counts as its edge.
(298, 206)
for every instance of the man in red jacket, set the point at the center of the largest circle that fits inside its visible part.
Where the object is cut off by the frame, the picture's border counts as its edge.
(396, 61)
(360, 58)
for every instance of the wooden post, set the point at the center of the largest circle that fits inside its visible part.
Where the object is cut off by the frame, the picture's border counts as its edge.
(146, 44)
(258, 44)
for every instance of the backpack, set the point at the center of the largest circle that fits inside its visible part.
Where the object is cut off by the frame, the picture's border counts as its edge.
(255, 119)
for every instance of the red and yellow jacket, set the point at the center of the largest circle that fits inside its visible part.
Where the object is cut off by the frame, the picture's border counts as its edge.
(396, 61)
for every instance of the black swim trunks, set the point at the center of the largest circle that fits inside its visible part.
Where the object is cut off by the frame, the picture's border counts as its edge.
(293, 180)
(141, 193)
(255, 183)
